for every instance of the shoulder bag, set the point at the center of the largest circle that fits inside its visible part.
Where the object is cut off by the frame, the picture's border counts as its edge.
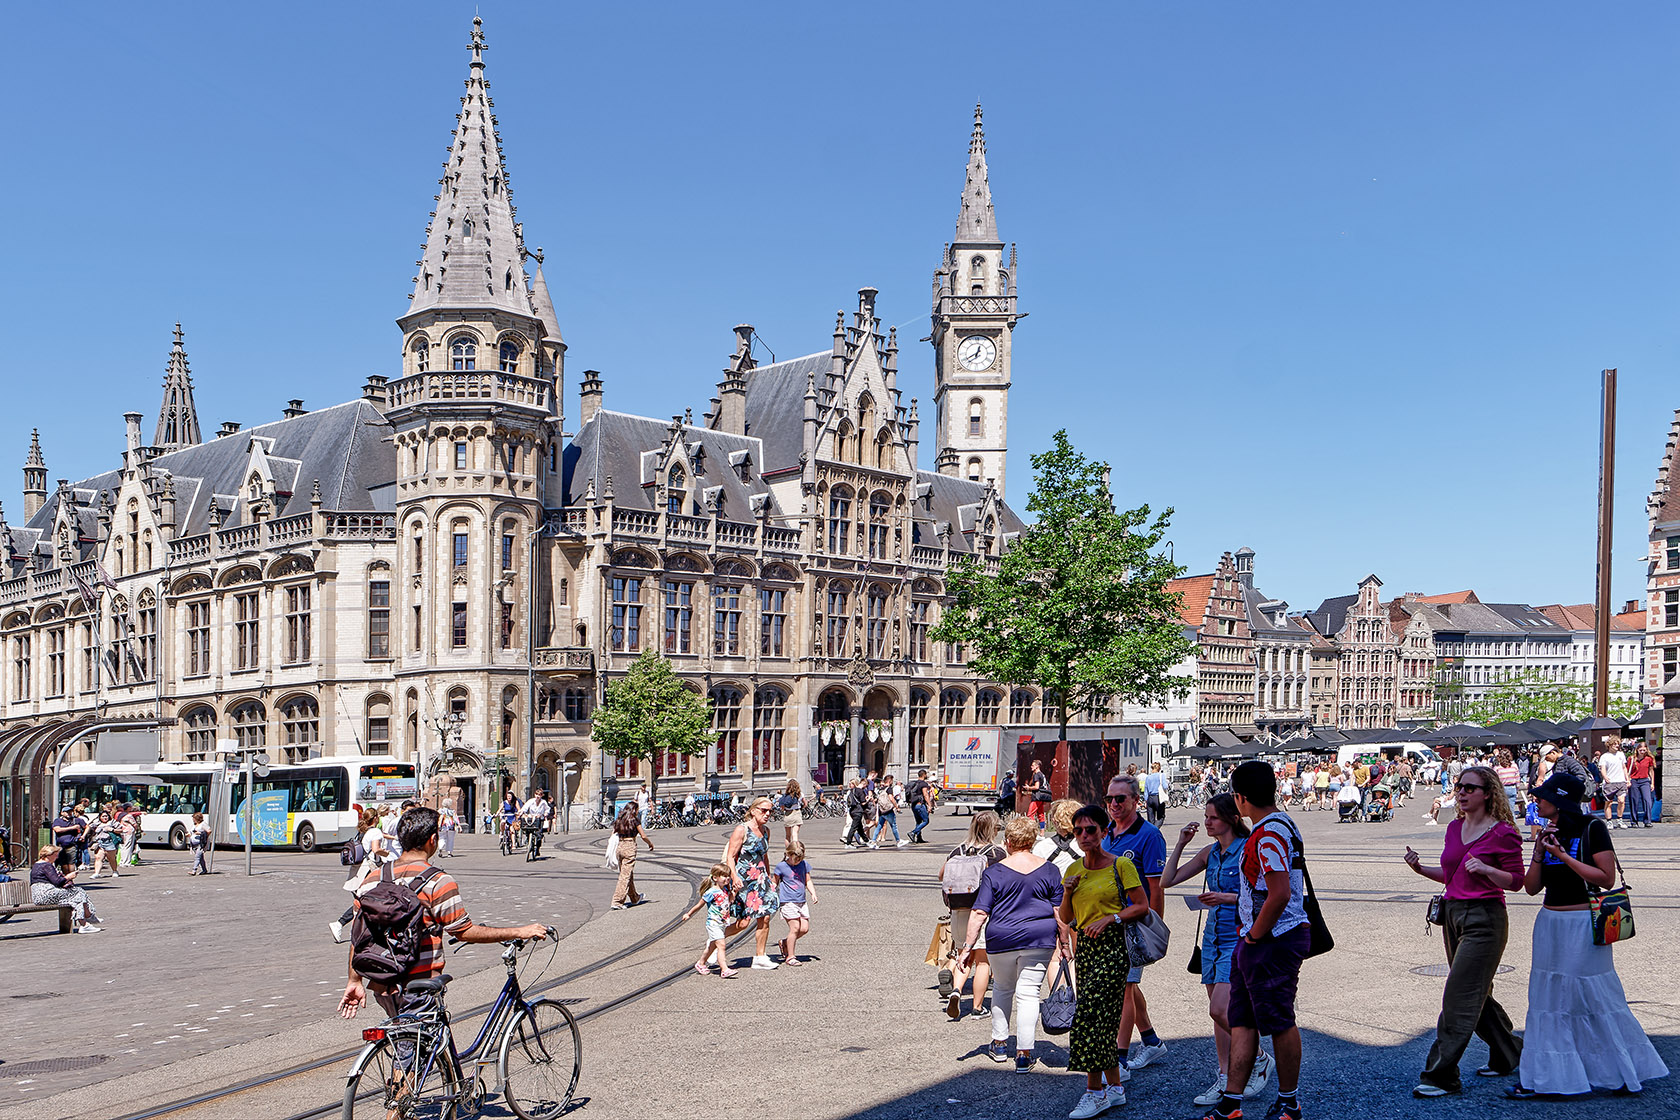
(1057, 1008)
(1195, 965)
(1148, 936)
(1612, 911)
(1321, 941)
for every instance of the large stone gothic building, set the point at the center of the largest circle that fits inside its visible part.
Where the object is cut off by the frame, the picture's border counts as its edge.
(436, 564)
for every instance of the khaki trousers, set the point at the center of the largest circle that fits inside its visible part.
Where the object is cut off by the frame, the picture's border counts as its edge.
(1475, 932)
(626, 892)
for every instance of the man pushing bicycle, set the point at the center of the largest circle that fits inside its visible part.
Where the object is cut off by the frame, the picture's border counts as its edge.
(441, 912)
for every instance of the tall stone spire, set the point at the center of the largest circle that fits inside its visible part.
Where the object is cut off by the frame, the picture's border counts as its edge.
(975, 221)
(34, 478)
(474, 252)
(177, 425)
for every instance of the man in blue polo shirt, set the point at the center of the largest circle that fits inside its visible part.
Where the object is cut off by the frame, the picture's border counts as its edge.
(1141, 842)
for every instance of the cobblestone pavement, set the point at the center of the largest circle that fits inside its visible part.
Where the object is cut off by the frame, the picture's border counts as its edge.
(857, 1032)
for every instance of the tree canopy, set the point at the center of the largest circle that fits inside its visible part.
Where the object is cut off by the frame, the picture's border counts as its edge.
(649, 712)
(1079, 605)
(1530, 695)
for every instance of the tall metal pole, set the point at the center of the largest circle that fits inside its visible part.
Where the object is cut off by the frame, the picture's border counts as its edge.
(1606, 495)
(250, 811)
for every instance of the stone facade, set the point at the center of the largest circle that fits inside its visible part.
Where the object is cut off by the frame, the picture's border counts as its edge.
(435, 572)
(1368, 653)
(1281, 657)
(1662, 573)
(1213, 606)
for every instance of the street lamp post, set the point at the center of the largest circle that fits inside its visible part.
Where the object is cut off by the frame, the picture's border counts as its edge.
(446, 725)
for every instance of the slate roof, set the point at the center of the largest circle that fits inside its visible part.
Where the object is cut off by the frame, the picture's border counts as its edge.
(1260, 623)
(622, 446)
(1331, 614)
(957, 501)
(347, 447)
(1526, 619)
(775, 406)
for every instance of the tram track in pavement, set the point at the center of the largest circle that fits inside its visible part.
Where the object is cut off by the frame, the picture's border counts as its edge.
(694, 877)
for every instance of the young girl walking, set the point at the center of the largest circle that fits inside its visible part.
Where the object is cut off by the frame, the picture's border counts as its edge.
(715, 899)
(795, 892)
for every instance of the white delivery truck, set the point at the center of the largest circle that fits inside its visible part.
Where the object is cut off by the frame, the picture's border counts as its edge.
(970, 776)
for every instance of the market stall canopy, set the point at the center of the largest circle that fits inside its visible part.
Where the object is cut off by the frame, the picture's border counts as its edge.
(1466, 735)
(1649, 718)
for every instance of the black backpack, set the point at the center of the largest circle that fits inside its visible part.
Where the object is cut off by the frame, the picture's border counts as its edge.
(390, 921)
(352, 853)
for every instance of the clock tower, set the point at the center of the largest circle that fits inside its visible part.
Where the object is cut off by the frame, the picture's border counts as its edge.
(973, 321)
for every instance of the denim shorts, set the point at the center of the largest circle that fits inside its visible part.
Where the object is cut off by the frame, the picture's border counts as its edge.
(1216, 959)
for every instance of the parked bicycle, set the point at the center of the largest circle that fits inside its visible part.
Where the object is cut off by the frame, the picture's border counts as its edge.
(411, 1068)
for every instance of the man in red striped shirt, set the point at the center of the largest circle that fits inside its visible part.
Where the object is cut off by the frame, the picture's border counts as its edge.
(445, 913)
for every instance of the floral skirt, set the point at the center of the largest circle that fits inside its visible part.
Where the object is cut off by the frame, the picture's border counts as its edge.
(1101, 965)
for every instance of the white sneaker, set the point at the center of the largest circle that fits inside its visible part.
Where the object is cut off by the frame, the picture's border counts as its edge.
(1125, 1075)
(903, 843)
(337, 928)
(1257, 1079)
(1095, 1102)
(764, 963)
(873, 845)
(1213, 1093)
(1143, 1054)
(89, 928)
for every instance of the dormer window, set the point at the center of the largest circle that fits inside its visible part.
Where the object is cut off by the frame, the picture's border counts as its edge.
(674, 493)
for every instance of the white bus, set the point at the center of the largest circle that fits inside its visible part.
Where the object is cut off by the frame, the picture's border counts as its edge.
(309, 806)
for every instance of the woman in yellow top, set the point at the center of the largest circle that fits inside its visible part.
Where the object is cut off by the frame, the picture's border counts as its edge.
(1098, 893)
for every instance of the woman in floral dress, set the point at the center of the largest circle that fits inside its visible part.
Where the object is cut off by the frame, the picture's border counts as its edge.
(755, 892)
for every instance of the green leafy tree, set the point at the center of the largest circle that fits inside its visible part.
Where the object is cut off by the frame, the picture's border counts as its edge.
(1079, 605)
(1532, 695)
(651, 712)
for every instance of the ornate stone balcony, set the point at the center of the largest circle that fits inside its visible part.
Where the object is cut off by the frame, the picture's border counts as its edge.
(471, 386)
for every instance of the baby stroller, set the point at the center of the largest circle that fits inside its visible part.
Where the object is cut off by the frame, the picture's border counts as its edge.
(1348, 811)
(1379, 806)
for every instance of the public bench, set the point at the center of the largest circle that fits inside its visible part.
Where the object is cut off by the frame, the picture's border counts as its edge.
(14, 899)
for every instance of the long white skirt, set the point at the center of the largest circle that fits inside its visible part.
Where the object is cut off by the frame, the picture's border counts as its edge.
(1580, 1034)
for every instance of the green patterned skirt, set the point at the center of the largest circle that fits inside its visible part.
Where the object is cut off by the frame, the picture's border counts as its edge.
(1100, 967)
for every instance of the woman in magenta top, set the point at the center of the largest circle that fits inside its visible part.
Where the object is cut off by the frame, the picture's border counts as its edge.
(1482, 859)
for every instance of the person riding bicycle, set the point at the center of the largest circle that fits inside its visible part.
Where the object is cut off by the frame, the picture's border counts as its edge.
(535, 813)
(509, 813)
(444, 913)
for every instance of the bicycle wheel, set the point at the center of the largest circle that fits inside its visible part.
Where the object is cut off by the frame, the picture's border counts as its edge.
(380, 1089)
(542, 1055)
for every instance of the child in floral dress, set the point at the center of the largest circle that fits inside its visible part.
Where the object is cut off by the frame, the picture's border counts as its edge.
(715, 898)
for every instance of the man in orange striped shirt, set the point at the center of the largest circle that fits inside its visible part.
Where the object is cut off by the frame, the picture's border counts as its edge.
(445, 913)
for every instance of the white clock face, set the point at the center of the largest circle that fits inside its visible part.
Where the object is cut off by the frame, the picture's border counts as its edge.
(976, 353)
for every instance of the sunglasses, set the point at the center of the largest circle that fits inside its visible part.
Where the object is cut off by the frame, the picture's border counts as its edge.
(1112, 798)
(1462, 788)
(1084, 829)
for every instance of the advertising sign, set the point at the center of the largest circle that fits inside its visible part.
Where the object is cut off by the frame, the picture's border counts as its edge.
(269, 812)
(387, 783)
(971, 758)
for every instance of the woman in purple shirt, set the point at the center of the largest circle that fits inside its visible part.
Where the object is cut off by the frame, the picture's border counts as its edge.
(1482, 859)
(1016, 907)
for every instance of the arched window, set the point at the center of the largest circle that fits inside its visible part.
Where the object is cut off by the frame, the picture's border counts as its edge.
(866, 424)
(422, 355)
(977, 267)
(986, 705)
(833, 706)
(919, 701)
(200, 723)
(467, 228)
(976, 417)
(250, 724)
(974, 470)
(378, 725)
(952, 703)
(300, 728)
(674, 493)
(463, 353)
(726, 728)
(508, 356)
(1020, 706)
(769, 717)
(839, 520)
(883, 450)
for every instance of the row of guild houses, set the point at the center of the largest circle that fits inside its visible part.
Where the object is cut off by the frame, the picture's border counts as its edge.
(435, 568)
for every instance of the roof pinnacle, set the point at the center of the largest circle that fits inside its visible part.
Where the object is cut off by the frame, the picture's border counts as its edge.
(977, 139)
(35, 459)
(177, 425)
(478, 46)
(976, 221)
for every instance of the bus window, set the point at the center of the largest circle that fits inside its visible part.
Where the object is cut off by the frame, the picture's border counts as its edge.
(320, 795)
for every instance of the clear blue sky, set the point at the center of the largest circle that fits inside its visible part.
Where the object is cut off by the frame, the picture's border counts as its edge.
(1335, 281)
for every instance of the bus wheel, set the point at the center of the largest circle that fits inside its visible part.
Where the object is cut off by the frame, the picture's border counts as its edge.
(306, 838)
(178, 838)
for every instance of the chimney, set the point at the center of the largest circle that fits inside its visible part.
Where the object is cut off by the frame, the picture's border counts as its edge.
(590, 394)
(294, 407)
(132, 420)
(229, 427)
(732, 390)
(374, 391)
(1630, 606)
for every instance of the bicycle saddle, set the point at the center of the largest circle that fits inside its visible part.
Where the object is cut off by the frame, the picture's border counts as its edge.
(433, 984)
